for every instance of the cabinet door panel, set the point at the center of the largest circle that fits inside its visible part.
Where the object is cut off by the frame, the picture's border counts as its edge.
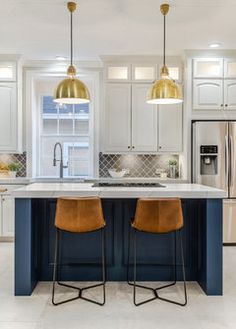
(208, 68)
(144, 73)
(8, 215)
(230, 68)
(8, 117)
(170, 128)
(118, 117)
(207, 94)
(230, 94)
(144, 121)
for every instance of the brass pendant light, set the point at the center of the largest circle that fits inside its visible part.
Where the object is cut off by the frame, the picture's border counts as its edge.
(165, 90)
(71, 90)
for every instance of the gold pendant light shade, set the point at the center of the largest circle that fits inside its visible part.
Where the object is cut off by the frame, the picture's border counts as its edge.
(71, 90)
(165, 90)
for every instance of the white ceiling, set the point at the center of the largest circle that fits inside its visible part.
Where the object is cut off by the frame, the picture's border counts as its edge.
(39, 29)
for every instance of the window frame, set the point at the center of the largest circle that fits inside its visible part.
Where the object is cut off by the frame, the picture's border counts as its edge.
(93, 78)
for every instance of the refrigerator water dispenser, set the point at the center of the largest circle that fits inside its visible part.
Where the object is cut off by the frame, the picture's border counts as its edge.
(208, 159)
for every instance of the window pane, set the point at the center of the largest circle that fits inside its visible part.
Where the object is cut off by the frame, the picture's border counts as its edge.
(47, 168)
(49, 126)
(66, 109)
(81, 127)
(66, 127)
(82, 108)
(49, 107)
(78, 168)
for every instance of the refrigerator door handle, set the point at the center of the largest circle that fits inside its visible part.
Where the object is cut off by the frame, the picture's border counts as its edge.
(230, 161)
(226, 161)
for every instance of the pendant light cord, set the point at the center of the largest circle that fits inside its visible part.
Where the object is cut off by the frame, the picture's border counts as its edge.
(71, 38)
(164, 43)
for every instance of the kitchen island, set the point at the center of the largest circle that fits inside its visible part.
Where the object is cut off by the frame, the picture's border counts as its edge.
(35, 236)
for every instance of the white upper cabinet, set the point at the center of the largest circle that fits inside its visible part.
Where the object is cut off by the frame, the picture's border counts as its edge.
(144, 120)
(230, 94)
(230, 68)
(8, 117)
(10, 106)
(170, 128)
(207, 94)
(208, 68)
(117, 117)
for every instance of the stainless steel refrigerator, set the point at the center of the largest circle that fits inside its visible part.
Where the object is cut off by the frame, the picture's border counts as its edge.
(214, 164)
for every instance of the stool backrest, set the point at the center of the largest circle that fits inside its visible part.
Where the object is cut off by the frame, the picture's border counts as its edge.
(158, 215)
(79, 214)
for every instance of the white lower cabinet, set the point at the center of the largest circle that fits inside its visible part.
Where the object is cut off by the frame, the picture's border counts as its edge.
(170, 128)
(8, 216)
(7, 212)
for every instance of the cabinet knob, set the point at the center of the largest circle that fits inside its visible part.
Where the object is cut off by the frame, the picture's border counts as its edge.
(132, 147)
(226, 105)
(128, 147)
(159, 147)
(221, 105)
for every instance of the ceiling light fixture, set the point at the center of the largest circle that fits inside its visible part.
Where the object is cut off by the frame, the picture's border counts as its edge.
(165, 90)
(60, 58)
(214, 45)
(71, 90)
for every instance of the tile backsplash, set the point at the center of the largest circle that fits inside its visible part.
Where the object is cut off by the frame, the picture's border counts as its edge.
(19, 158)
(139, 165)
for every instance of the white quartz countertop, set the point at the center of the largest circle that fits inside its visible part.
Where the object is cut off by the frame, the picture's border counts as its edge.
(55, 190)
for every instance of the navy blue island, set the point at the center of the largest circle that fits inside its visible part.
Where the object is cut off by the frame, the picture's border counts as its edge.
(35, 207)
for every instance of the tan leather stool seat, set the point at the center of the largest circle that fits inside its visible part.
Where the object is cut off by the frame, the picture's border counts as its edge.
(158, 215)
(79, 215)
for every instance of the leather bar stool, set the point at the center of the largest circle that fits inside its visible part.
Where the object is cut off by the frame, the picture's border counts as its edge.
(78, 215)
(158, 216)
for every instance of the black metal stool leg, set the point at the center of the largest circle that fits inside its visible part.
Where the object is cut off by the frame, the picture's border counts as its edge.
(80, 290)
(154, 290)
(175, 267)
(184, 278)
(103, 248)
(56, 274)
(134, 284)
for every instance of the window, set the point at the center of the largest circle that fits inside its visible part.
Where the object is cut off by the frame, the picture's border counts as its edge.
(70, 126)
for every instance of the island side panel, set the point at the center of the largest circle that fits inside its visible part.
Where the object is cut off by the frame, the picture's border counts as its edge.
(25, 274)
(210, 276)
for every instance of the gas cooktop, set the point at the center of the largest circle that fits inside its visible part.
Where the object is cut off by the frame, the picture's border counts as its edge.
(111, 184)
